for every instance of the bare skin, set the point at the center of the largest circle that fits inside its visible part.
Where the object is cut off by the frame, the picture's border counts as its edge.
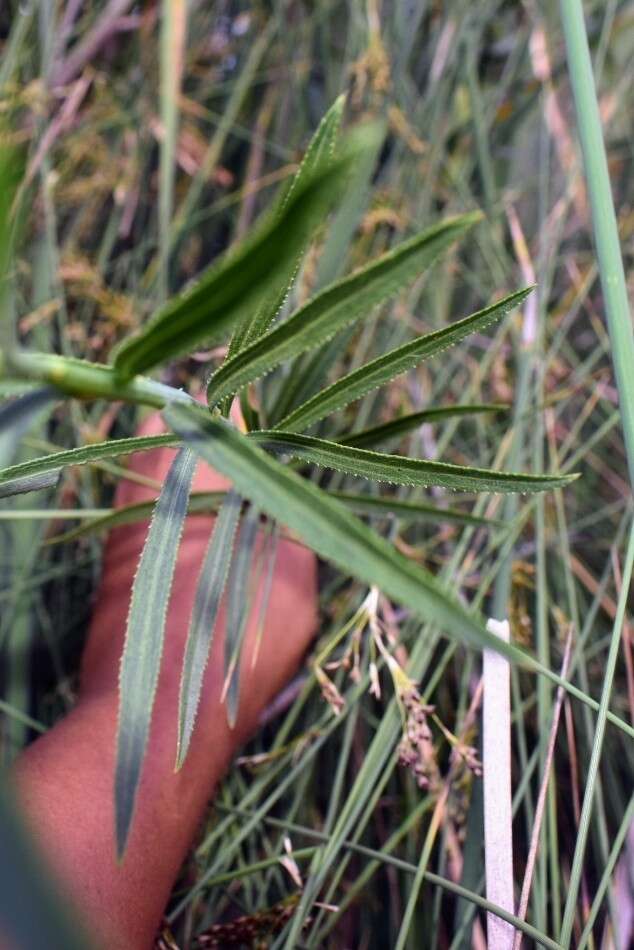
(65, 779)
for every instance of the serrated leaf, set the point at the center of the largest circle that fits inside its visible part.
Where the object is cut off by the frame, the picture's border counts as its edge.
(401, 470)
(336, 307)
(319, 153)
(231, 290)
(239, 602)
(306, 373)
(385, 368)
(397, 428)
(85, 454)
(329, 529)
(143, 647)
(209, 591)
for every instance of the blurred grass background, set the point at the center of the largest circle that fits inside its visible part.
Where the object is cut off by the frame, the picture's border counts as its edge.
(148, 157)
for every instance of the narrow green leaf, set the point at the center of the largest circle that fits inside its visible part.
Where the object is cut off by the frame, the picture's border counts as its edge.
(337, 307)
(239, 601)
(386, 507)
(206, 503)
(85, 454)
(397, 428)
(328, 528)
(307, 372)
(209, 590)
(401, 470)
(392, 364)
(231, 290)
(143, 648)
(20, 486)
(318, 155)
(200, 503)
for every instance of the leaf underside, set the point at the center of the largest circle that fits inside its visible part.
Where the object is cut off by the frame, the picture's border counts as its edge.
(143, 647)
(209, 591)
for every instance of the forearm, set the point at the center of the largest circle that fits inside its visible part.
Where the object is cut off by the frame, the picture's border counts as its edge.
(66, 778)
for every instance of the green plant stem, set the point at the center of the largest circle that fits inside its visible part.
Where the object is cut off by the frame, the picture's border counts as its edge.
(604, 221)
(597, 746)
(87, 380)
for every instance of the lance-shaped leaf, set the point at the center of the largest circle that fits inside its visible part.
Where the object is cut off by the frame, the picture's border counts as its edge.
(83, 455)
(239, 601)
(143, 648)
(209, 590)
(329, 529)
(205, 503)
(200, 503)
(385, 507)
(385, 368)
(397, 428)
(318, 155)
(336, 307)
(230, 291)
(401, 470)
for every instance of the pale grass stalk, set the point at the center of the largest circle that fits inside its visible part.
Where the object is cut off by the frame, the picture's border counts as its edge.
(496, 761)
(541, 800)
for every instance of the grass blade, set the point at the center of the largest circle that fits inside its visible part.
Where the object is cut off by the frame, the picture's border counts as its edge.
(144, 637)
(205, 503)
(230, 290)
(388, 507)
(318, 156)
(397, 428)
(597, 746)
(211, 585)
(84, 455)
(401, 470)
(604, 223)
(239, 597)
(173, 31)
(337, 307)
(392, 364)
(200, 503)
